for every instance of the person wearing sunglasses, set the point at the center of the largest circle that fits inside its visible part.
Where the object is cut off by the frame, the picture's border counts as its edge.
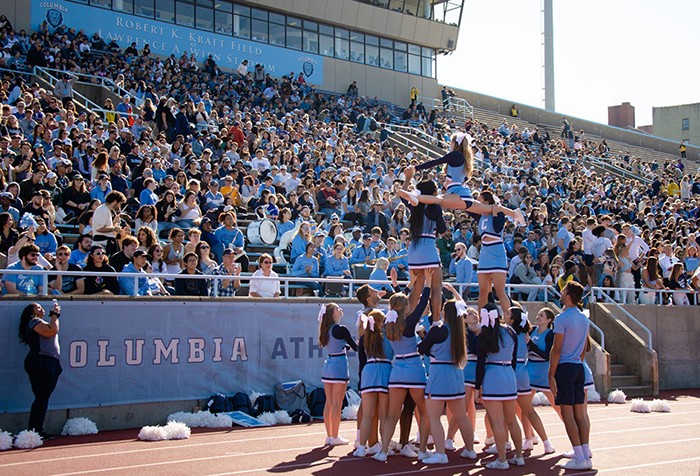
(97, 261)
(24, 283)
(63, 284)
(264, 288)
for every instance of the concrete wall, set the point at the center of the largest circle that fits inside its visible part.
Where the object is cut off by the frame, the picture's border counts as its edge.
(18, 12)
(668, 122)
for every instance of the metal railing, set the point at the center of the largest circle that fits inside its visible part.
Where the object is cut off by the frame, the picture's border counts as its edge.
(452, 105)
(608, 299)
(44, 73)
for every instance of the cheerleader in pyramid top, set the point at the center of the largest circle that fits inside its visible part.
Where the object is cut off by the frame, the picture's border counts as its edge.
(375, 375)
(446, 345)
(496, 385)
(518, 320)
(408, 371)
(460, 165)
(335, 375)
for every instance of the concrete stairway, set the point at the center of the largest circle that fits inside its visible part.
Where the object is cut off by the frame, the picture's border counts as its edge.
(621, 378)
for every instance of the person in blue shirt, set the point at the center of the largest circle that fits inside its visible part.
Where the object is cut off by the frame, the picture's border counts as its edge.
(321, 252)
(364, 253)
(531, 244)
(306, 266)
(213, 198)
(230, 236)
(301, 239)
(379, 274)
(566, 373)
(398, 258)
(103, 187)
(80, 253)
(461, 266)
(44, 239)
(356, 240)
(126, 284)
(24, 283)
(564, 235)
(337, 264)
(462, 234)
(148, 195)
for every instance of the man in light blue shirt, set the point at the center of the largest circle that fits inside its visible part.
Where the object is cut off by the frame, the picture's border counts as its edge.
(126, 284)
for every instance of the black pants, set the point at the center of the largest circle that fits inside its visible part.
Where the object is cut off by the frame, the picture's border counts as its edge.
(43, 374)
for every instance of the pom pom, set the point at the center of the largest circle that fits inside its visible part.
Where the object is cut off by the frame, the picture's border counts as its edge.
(282, 418)
(540, 400)
(350, 412)
(640, 406)
(28, 439)
(175, 430)
(153, 433)
(79, 426)
(254, 396)
(617, 396)
(202, 419)
(189, 419)
(268, 418)
(593, 396)
(5, 440)
(658, 405)
(353, 397)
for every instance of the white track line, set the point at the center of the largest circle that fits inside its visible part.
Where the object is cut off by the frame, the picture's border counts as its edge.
(636, 466)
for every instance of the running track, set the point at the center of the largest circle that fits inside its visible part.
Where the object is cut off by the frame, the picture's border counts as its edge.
(623, 443)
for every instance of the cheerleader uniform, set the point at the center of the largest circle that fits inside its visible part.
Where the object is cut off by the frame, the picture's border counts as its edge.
(445, 381)
(588, 382)
(495, 372)
(538, 359)
(492, 257)
(423, 253)
(335, 367)
(408, 370)
(470, 368)
(455, 174)
(377, 370)
(521, 375)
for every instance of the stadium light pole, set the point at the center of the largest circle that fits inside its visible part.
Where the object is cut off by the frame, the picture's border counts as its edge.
(548, 56)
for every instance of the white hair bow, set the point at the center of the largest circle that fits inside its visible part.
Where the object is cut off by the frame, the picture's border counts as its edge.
(488, 318)
(460, 136)
(367, 321)
(391, 316)
(523, 318)
(321, 312)
(461, 308)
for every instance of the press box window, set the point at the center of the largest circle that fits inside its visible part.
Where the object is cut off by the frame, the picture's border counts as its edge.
(685, 124)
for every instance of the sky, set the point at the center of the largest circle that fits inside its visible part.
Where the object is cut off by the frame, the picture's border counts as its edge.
(606, 52)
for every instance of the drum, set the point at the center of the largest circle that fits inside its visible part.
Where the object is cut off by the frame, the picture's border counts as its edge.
(262, 232)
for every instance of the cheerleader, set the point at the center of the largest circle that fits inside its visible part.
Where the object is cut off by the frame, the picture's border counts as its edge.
(445, 343)
(374, 381)
(460, 165)
(520, 324)
(539, 345)
(496, 384)
(335, 375)
(408, 371)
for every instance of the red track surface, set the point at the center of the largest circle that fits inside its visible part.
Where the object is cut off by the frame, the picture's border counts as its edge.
(622, 443)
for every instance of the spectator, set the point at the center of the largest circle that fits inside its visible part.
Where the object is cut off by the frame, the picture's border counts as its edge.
(187, 286)
(228, 287)
(264, 288)
(126, 283)
(27, 284)
(306, 266)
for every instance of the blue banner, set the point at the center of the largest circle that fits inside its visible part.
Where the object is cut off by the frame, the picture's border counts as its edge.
(165, 39)
(126, 352)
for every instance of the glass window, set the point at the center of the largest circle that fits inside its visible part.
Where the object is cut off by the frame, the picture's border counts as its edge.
(387, 58)
(427, 51)
(259, 30)
(400, 61)
(310, 25)
(205, 18)
(241, 26)
(276, 18)
(223, 6)
(184, 14)
(204, 2)
(259, 14)
(276, 34)
(414, 64)
(144, 8)
(372, 55)
(342, 33)
(414, 49)
(386, 43)
(371, 40)
(427, 67)
(326, 45)
(310, 41)
(685, 124)
(357, 36)
(81, 1)
(342, 48)
(165, 10)
(293, 21)
(124, 6)
(241, 9)
(101, 3)
(357, 52)
(223, 22)
(396, 5)
(325, 29)
(293, 38)
(400, 46)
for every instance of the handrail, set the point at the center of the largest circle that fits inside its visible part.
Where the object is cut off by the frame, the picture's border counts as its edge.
(610, 300)
(89, 105)
(600, 333)
(625, 173)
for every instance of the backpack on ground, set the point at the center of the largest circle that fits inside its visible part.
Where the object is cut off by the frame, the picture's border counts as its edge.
(291, 396)
(218, 403)
(241, 402)
(263, 404)
(316, 401)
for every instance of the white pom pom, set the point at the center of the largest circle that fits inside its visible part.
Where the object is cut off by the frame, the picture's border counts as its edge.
(350, 412)
(79, 426)
(617, 396)
(28, 439)
(282, 417)
(175, 430)
(153, 433)
(353, 397)
(658, 405)
(254, 396)
(640, 406)
(540, 400)
(268, 418)
(202, 419)
(5, 440)
(187, 418)
(593, 395)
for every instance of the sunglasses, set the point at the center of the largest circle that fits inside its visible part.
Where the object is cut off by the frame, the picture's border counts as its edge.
(203, 247)
(62, 254)
(267, 262)
(99, 253)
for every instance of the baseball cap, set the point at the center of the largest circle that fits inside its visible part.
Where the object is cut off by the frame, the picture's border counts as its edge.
(229, 251)
(357, 228)
(51, 175)
(138, 253)
(366, 236)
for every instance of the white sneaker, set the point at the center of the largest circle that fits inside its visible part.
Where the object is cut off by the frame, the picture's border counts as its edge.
(407, 452)
(449, 444)
(373, 450)
(578, 464)
(492, 450)
(394, 445)
(476, 438)
(527, 445)
(338, 441)
(468, 454)
(535, 440)
(437, 458)
(498, 464)
(355, 445)
(568, 454)
(328, 441)
(424, 454)
(548, 448)
(381, 457)
(430, 440)
(360, 452)
(490, 441)
(517, 461)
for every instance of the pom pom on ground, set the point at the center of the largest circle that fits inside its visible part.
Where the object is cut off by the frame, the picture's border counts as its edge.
(540, 400)
(640, 406)
(254, 396)
(268, 418)
(153, 433)
(282, 418)
(5, 440)
(350, 412)
(353, 397)
(79, 426)
(617, 396)
(176, 430)
(28, 439)
(593, 396)
(658, 405)
(189, 419)
(202, 419)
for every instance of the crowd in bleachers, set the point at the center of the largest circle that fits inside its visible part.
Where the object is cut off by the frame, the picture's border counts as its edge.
(159, 183)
